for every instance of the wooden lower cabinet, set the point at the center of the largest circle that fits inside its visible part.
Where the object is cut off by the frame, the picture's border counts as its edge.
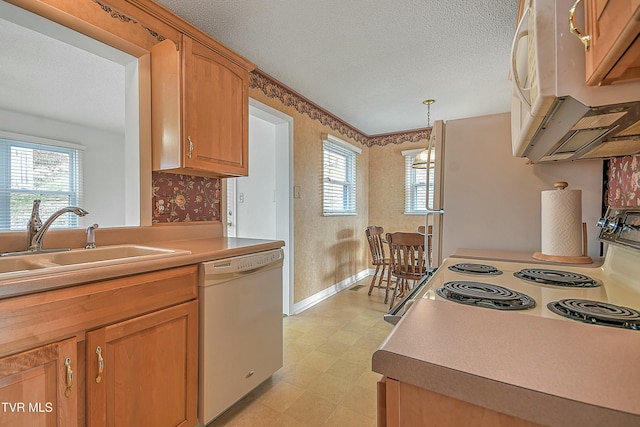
(39, 387)
(402, 404)
(146, 326)
(143, 371)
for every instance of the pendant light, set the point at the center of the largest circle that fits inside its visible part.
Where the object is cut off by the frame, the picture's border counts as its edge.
(423, 158)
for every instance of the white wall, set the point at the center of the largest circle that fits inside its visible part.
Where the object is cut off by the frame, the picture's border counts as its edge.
(255, 194)
(105, 169)
(492, 199)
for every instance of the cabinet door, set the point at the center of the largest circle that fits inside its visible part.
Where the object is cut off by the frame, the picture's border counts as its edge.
(144, 371)
(215, 111)
(38, 387)
(407, 405)
(612, 27)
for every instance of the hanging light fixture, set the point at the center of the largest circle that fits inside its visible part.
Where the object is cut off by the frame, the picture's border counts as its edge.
(423, 158)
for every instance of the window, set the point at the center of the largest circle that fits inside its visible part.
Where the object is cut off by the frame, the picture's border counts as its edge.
(48, 171)
(415, 185)
(339, 165)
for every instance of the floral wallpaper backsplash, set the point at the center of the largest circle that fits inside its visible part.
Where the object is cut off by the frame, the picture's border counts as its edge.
(624, 181)
(183, 198)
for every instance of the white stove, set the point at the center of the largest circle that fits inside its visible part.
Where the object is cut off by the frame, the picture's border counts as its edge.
(608, 295)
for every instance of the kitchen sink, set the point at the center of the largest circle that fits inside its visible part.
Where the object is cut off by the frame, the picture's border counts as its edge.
(12, 264)
(108, 253)
(81, 258)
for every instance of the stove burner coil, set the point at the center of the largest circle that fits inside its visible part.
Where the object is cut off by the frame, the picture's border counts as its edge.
(469, 268)
(597, 313)
(485, 295)
(557, 278)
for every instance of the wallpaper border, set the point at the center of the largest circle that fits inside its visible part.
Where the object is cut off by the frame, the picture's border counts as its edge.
(290, 98)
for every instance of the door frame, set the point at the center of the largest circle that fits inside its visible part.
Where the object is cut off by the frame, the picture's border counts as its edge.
(284, 193)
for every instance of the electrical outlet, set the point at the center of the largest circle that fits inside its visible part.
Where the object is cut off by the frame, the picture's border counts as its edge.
(241, 197)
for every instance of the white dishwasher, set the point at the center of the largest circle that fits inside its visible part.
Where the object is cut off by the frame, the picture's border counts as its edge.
(240, 314)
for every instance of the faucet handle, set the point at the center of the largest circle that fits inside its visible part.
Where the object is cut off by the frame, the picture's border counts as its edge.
(91, 237)
(35, 223)
(34, 219)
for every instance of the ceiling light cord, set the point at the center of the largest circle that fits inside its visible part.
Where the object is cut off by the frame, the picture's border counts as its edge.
(424, 158)
(428, 103)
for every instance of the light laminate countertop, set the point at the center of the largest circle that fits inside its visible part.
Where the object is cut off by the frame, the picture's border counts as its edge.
(204, 249)
(552, 372)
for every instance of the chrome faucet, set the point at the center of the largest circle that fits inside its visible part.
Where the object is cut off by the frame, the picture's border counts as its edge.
(37, 231)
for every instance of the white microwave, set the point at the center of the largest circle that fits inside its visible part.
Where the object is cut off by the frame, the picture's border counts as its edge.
(554, 115)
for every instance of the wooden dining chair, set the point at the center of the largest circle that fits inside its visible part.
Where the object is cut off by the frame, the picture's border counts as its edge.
(407, 261)
(379, 260)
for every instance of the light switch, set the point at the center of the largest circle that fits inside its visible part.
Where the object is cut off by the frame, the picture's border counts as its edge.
(296, 191)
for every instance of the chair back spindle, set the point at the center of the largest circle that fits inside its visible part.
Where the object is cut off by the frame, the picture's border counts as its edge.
(376, 246)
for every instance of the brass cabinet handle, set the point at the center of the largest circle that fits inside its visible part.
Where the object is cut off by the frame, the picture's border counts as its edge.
(190, 152)
(67, 363)
(100, 364)
(584, 38)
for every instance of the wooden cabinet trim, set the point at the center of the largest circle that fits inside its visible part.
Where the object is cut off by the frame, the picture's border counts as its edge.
(87, 17)
(162, 14)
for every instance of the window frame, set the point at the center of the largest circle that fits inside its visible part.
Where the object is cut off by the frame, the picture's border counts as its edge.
(411, 187)
(75, 152)
(332, 145)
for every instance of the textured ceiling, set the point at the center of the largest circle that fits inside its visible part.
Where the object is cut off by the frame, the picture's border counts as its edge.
(373, 62)
(369, 62)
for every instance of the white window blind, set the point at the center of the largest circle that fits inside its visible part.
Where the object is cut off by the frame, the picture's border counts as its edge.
(30, 171)
(339, 168)
(415, 185)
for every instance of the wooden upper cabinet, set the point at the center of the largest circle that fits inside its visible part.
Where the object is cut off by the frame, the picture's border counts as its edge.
(614, 46)
(200, 110)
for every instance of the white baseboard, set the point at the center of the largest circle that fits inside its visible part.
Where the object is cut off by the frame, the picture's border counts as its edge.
(309, 302)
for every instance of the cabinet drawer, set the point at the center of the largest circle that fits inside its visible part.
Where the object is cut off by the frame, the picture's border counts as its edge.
(29, 320)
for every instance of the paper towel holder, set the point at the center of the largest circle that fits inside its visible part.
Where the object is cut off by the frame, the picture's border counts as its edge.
(584, 259)
(561, 185)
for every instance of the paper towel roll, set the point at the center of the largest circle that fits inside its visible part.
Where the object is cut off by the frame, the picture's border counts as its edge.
(562, 221)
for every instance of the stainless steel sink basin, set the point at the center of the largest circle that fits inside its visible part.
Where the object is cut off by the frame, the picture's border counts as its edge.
(20, 265)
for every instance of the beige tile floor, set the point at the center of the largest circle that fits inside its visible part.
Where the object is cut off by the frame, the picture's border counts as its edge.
(326, 379)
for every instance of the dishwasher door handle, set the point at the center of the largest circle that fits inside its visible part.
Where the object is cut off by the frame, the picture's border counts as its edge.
(242, 266)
